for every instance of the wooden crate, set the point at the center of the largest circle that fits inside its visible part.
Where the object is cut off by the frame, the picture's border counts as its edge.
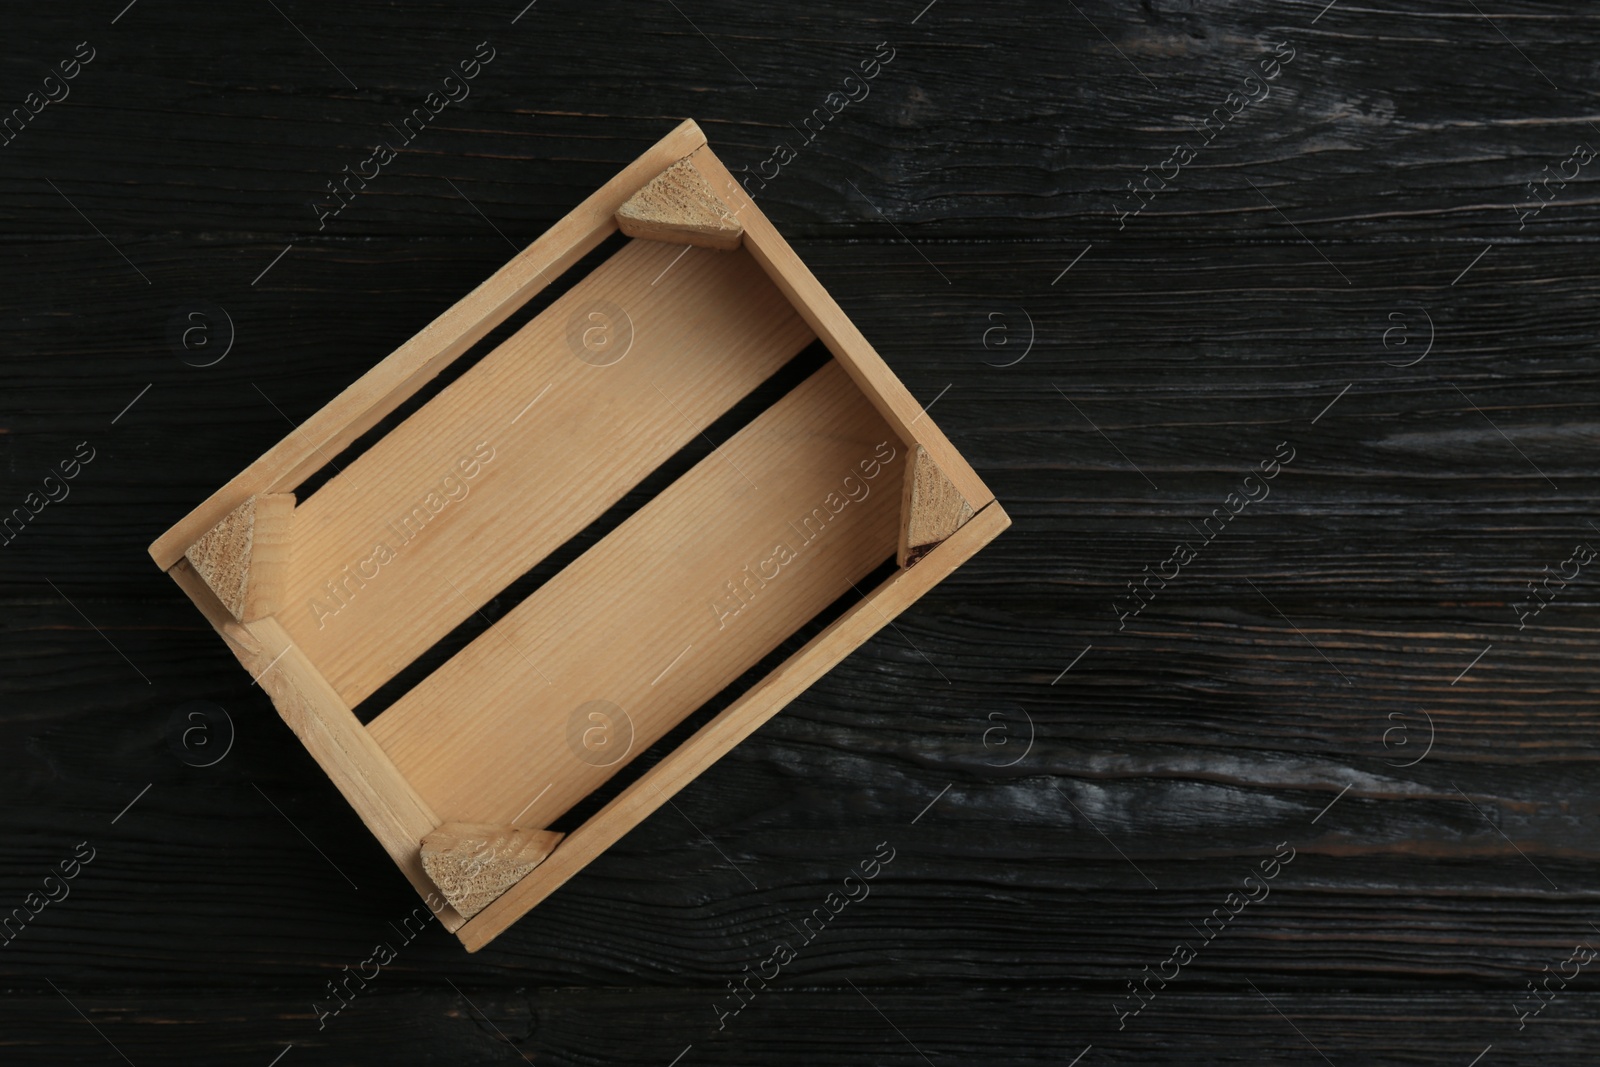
(326, 599)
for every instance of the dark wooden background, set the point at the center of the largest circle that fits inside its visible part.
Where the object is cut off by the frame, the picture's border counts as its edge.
(1270, 694)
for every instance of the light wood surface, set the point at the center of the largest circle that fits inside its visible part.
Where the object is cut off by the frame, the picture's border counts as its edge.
(383, 388)
(931, 508)
(525, 450)
(342, 747)
(474, 863)
(662, 614)
(245, 557)
(834, 328)
(680, 206)
(738, 721)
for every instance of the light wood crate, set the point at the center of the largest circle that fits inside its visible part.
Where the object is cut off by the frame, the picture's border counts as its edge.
(461, 777)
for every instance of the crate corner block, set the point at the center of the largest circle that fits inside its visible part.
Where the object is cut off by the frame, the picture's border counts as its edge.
(243, 557)
(680, 206)
(474, 863)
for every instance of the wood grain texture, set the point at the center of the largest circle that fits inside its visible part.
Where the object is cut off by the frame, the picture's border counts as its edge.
(678, 768)
(482, 1023)
(834, 328)
(342, 747)
(680, 206)
(473, 863)
(522, 452)
(244, 559)
(660, 616)
(931, 509)
(386, 386)
(997, 143)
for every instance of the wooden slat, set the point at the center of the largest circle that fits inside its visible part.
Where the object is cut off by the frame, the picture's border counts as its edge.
(386, 386)
(894, 402)
(738, 721)
(524, 722)
(533, 443)
(347, 754)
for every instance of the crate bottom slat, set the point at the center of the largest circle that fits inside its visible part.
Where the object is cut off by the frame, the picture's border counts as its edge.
(523, 451)
(733, 724)
(665, 612)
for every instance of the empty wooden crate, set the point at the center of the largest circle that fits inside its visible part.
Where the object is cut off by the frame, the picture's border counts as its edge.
(326, 599)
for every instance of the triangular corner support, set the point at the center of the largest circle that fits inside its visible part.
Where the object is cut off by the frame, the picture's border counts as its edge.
(473, 863)
(931, 508)
(245, 557)
(680, 206)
